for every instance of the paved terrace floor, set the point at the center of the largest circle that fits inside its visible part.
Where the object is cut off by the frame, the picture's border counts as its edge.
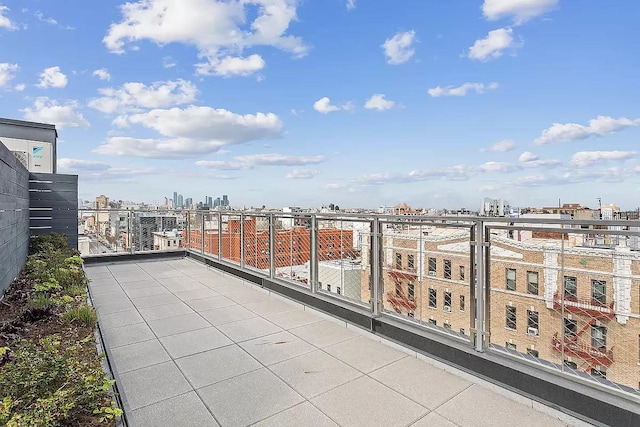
(195, 347)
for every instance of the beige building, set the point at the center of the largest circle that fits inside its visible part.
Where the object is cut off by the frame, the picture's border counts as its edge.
(573, 305)
(163, 240)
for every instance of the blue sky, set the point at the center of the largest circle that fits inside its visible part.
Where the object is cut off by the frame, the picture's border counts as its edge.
(359, 103)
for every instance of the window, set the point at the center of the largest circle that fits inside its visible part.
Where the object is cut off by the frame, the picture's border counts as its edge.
(461, 302)
(410, 314)
(338, 290)
(447, 326)
(570, 288)
(532, 323)
(599, 337)
(411, 291)
(570, 328)
(510, 345)
(447, 269)
(411, 261)
(462, 331)
(433, 322)
(432, 266)
(447, 301)
(398, 260)
(570, 364)
(532, 352)
(511, 317)
(329, 288)
(598, 373)
(532, 282)
(433, 298)
(320, 285)
(511, 279)
(462, 272)
(398, 289)
(599, 291)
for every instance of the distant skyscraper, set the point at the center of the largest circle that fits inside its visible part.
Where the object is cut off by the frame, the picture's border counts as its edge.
(175, 198)
(210, 202)
(188, 203)
(225, 200)
(180, 201)
(216, 202)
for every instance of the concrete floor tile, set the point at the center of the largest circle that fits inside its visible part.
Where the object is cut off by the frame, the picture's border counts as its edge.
(247, 296)
(164, 311)
(365, 402)
(154, 300)
(217, 365)
(230, 314)
(139, 284)
(193, 342)
(492, 410)
(420, 381)
(433, 420)
(150, 385)
(249, 398)
(277, 347)
(115, 320)
(146, 292)
(364, 354)
(293, 319)
(129, 334)
(196, 294)
(178, 325)
(272, 306)
(183, 286)
(245, 330)
(314, 373)
(323, 334)
(139, 355)
(186, 410)
(210, 303)
(113, 306)
(302, 414)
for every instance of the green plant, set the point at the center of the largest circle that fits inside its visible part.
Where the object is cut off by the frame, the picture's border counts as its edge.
(47, 286)
(46, 242)
(74, 260)
(82, 314)
(47, 383)
(76, 291)
(43, 301)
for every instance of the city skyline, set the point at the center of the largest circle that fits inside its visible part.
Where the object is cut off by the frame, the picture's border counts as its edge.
(437, 105)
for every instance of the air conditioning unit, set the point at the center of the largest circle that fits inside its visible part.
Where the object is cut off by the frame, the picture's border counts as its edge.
(447, 309)
(532, 331)
(23, 157)
(432, 273)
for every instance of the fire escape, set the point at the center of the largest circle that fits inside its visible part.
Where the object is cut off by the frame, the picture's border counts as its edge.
(593, 355)
(586, 307)
(397, 298)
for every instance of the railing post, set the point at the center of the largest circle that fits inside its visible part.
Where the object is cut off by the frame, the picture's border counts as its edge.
(313, 261)
(130, 232)
(479, 285)
(241, 240)
(220, 236)
(272, 246)
(376, 266)
(188, 237)
(202, 234)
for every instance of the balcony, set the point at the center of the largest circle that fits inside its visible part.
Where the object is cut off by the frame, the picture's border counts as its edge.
(593, 355)
(582, 306)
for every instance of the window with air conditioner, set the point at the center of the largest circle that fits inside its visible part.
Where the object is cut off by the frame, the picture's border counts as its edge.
(433, 298)
(532, 323)
(433, 322)
(432, 266)
(447, 302)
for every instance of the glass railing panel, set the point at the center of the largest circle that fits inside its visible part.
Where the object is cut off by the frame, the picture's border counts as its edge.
(209, 230)
(426, 274)
(565, 296)
(255, 243)
(343, 259)
(292, 248)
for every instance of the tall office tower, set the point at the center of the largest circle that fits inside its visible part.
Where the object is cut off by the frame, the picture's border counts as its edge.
(188, 203)
(216, 202)
(180, 201)
(175, 198)
(210, 202)
(225, 200)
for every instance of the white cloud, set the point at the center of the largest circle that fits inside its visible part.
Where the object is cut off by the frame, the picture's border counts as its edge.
(528, 156)
(168, 62)
(378, 102)
(520, 10)
(398, 49)
(497, 167)
(52, 77)
(600, 126)
(191, 132)
(47, 110)
(76, 164)
(4, 21)
(7, 73)
(42, 18)
(90, 170)
(232, 66)
(323, 105)
(254, 160)
(303, 174)
(503, 146)
(587, 158)
(102, 74)
(351, 4)
(20, 87)
(493, 46)
(462, 90)
(217, 28)
(132, 97)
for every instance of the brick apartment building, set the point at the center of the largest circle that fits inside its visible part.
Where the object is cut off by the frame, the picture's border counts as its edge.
(292, 245)
(600, 288)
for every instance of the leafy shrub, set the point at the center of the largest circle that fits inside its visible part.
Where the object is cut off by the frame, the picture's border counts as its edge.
(42, 301)
(82, 314)
(47, 287)
(48, 242)
(48, 383)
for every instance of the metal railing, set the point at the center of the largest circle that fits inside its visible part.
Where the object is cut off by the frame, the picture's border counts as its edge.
(494, 284)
